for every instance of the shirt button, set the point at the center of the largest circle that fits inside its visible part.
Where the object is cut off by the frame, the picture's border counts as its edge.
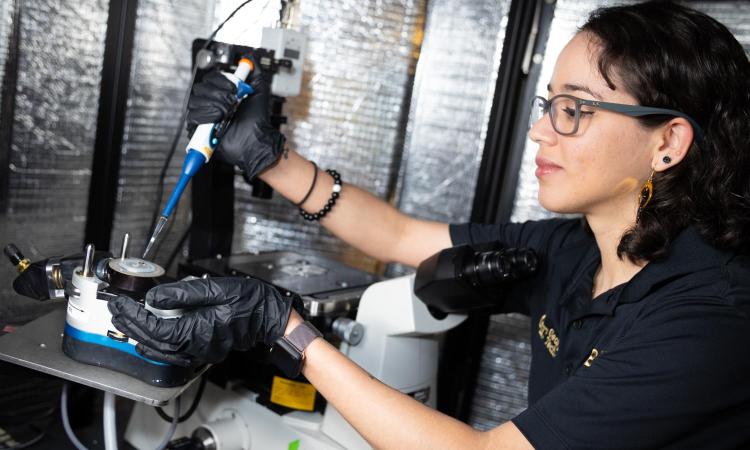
(577, 324)
(568, 369)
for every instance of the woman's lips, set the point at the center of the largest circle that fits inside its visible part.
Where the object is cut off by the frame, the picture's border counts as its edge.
(545, 167)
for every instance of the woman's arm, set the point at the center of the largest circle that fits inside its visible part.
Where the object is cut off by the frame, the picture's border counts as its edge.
(359, 218)
(387, 418)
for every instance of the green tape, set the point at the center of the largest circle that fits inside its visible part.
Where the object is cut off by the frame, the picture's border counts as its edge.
(294, 445)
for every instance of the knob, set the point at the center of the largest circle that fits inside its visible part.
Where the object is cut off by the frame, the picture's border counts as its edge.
(348, 330)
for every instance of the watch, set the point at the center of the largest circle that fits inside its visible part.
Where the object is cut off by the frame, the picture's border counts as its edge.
(288, 352)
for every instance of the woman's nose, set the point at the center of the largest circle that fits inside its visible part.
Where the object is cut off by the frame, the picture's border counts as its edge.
(542, 132)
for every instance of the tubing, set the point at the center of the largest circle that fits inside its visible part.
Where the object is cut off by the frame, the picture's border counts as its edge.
(108, 419)
(175, 420)
(66, 422)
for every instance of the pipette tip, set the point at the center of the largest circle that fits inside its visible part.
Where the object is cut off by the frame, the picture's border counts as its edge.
(154, 236)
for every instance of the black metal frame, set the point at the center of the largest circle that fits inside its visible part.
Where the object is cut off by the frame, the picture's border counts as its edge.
(506, 189)
(110, 125)
(526, 35)
(8, 106)
(212, 205)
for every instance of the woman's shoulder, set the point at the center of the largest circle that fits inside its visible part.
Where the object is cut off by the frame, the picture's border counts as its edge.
(554, 233)
(696, 276)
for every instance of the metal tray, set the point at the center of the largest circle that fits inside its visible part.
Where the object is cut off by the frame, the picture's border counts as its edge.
(38, 345)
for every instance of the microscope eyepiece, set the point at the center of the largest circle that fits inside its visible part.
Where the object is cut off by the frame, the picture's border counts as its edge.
(491, 268)
(463, 278)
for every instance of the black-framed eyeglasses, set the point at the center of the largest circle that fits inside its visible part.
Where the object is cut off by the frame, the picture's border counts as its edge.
(565, 112)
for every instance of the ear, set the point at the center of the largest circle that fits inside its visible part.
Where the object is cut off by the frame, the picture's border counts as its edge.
(676, 136)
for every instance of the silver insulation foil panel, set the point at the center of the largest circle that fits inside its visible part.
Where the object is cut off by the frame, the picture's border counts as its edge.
(501, 386)
(734, 14)
(500, 392)
(54, 127)
(60, 56)
(360, 58)
(159, 79)
(449, 110)
(6, 22)
(453, 93)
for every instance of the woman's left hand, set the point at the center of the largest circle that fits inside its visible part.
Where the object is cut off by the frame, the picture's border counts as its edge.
(220, 314)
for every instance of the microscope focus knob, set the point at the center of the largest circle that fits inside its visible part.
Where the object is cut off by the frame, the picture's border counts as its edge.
(227, 431)
(203, 439)
(348, 330)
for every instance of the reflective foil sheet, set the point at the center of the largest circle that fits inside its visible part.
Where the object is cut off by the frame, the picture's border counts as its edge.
(159, 78)
(453, 93)
(61, 46)
(360, 58)
(500, 393)
(449, 110)
(6, 22)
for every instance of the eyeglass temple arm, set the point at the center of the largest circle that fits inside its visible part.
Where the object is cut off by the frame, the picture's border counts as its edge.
(639, 111)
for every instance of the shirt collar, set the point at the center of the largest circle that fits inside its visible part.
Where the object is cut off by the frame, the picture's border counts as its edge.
(687, 254)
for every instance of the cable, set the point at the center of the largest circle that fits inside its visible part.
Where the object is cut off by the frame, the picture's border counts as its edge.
(282, 11)
(183, 116)
(165, 442)
(179, 246)
(28, 443)
(66, 422)
(173, 146)
(191, 410)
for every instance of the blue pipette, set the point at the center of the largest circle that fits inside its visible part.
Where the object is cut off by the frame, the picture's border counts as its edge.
(200, 149)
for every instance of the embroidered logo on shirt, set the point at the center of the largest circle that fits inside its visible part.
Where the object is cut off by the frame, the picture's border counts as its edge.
(548, 335)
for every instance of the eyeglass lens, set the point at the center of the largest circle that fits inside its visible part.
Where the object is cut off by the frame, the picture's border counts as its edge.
(562, 111)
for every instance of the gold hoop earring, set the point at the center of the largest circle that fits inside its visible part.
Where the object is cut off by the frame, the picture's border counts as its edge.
(644, 197)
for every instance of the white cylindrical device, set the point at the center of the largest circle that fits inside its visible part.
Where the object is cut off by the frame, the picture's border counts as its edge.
(85, 311)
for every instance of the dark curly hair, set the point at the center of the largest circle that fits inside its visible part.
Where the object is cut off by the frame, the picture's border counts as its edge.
(670, 56)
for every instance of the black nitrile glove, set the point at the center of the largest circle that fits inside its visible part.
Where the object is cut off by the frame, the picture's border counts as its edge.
(220, 314)
(249, 141)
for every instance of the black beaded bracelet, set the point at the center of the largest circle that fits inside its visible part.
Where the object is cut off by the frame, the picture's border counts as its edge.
(331, 201)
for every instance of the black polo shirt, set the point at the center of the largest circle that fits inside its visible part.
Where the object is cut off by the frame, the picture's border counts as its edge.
(662, 361)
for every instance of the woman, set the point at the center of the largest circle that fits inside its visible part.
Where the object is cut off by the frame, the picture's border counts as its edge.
(642, 309)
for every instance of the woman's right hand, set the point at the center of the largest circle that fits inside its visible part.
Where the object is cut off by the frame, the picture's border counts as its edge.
(250, 141)
(219, 314)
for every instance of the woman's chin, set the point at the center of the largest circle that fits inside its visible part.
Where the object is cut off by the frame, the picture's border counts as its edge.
(558, 204)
